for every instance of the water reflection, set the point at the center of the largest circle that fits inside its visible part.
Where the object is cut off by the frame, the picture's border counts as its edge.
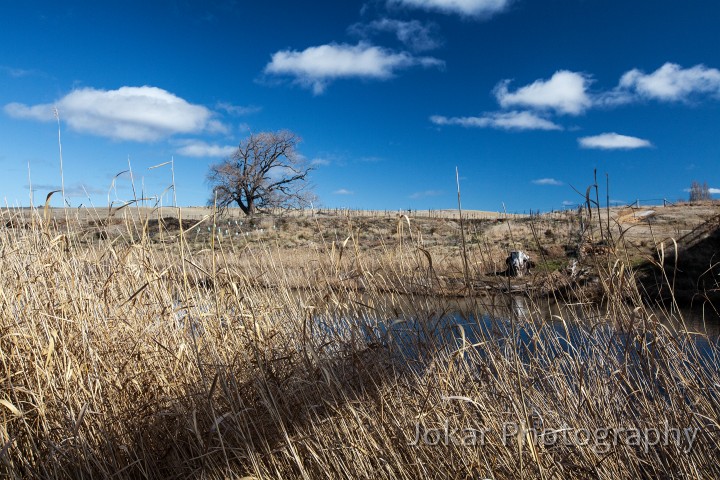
(418, 326)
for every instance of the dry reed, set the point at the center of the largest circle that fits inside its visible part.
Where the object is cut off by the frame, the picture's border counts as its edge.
(124, 358)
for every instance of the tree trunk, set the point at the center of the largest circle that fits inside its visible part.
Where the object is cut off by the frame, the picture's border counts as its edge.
(243, 207)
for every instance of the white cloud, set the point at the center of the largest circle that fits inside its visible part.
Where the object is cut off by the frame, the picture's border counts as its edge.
(413, 34)
(323, 162)
(343, 191)
(315, 67)
(569, 93)
(613, 141)
(71, 190)
(711, 191)
(565, 92)
(500, 120)
(238, 109)
(547, 181)
(19, 72)
(128, 113)
(198, 148)
(277, 172)
(426, 193)
(469, 8)
(671, 82)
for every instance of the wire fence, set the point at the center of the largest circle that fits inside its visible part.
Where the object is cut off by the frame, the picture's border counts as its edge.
(194, 213)
(637, 203)
(200, 213)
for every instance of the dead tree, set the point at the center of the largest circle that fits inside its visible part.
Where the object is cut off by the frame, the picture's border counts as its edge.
(265, 173)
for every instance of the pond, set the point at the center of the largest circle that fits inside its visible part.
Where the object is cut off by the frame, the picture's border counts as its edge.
(416, 327)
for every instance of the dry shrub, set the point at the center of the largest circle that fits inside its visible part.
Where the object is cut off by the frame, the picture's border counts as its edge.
(130, 359)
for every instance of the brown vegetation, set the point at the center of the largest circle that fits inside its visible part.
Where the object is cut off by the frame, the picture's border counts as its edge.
(315, 348)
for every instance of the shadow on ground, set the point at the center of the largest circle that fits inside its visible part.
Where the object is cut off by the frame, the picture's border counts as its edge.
(690, 273)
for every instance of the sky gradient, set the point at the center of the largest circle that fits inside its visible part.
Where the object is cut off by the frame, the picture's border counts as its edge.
(526, 98)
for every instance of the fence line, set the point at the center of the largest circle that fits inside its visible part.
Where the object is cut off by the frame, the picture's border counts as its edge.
(357, 213)
(198, 213)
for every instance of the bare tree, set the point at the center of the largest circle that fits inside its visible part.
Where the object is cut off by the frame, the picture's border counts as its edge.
(265, 172)
(699, 193)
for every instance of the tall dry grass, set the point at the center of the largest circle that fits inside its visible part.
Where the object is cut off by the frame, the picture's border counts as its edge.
(125, 358)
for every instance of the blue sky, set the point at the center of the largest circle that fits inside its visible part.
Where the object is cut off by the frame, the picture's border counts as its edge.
(526, 98)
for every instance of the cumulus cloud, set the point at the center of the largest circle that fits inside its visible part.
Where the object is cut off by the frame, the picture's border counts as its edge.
(547, 181)
(500, 120)
(568, 93)
(466, 8)
(315, 67)
(670, 82)
(613, 141)
(128, 113)
(198, 148)
(413, 34)
(565, 93)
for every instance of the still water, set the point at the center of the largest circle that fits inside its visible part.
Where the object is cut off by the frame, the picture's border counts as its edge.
(415, 327)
